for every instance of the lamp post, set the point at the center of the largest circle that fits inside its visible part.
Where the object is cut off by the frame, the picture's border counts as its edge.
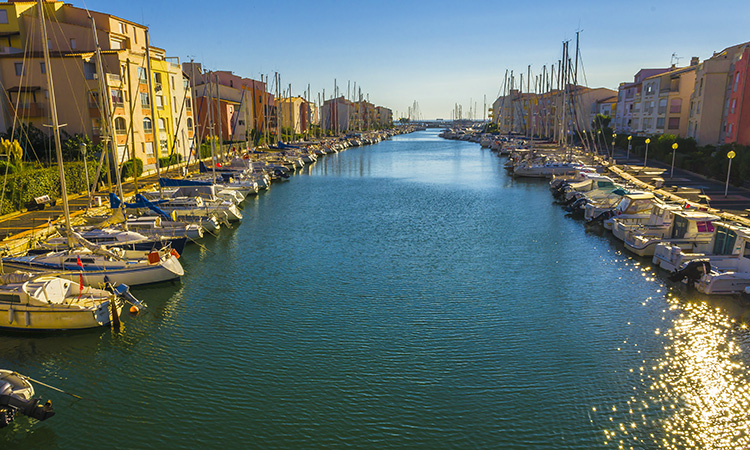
(674, 151)
(614, 136)
(630, 138)
(645, 158)
(731, 156)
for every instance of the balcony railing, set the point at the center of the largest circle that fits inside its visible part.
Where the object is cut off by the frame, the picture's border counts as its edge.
(30, 109)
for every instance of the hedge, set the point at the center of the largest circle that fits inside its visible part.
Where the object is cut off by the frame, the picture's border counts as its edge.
(22, 187)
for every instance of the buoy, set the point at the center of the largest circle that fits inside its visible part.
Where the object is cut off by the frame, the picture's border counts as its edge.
(134, 309)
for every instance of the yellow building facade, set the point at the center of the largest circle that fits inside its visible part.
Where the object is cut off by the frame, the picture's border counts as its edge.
(77, 81)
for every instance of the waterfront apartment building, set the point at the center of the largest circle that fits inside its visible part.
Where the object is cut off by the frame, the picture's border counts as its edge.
(137, 132)
(662, 105)
(228, 105)
(294, 113)
(336, 115)
(627, 117)
(736, 115)
(705, 119)
(385, 116)
(549, 114)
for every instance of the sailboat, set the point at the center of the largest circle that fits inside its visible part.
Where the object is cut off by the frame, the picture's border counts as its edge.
(82, 260)
(33, 302)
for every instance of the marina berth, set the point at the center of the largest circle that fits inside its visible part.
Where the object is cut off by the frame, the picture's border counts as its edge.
(33, 302)
(687, 229)
(720, 266)
(658, 221)
(102, 267)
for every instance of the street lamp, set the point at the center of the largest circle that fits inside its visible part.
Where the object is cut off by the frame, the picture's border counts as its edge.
(674, 151)
(614, 135)
(731, 156)
(630, 138)
(645, 158)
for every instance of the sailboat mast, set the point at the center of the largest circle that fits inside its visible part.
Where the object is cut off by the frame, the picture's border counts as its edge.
(218, 116)
(104, 99)
(154, 121)
(55, 122)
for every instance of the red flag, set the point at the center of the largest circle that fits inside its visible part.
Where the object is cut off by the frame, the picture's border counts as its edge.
(80, 264)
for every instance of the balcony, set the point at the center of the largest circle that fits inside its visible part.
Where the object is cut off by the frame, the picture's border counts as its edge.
(30, 109)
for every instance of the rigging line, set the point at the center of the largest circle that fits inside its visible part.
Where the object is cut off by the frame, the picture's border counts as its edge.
(68, 76)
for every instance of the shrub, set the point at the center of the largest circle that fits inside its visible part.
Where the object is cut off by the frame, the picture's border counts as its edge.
(127, 168)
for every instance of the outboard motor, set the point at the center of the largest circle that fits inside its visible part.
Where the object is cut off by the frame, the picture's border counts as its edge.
(692, 270)
(602, 217)
(10, 404)
(578, 206)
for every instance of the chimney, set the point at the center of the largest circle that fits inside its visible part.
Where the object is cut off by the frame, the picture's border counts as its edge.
(694, 61)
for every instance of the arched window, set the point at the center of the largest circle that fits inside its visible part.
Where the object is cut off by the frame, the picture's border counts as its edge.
(162, 124)
(120, 127)
(190, 124)
(147, 124)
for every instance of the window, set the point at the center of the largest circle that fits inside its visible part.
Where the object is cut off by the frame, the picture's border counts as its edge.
(698, 108)
(148, 148)
(96, 126)
(188, 104)
(120, 127)
(19, 69)
(190, 124)
(650, 89)
(93, 99)
(660, 123)
(42, 68)
(700, 88)
(162, 124)
(736, 82)
(734, 105)
(123, 28)
(73, 45)
(142, 78)
(647, 122)
(3, 16)
(145, 101)
(724, 241)
(159, 101)
(729, 130)
(122, 151)
(172, 80)
(89, 70)
(674, 123)
(117, 98)
(147, 126)
(157, 79)
(675, 105)
(662, 106)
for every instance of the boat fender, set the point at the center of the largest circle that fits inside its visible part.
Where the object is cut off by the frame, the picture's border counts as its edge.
(175, 253)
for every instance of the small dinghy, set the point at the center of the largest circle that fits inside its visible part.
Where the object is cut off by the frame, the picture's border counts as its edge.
(17, 396)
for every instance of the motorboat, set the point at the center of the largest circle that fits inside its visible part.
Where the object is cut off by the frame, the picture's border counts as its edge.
(685, 228)
(17, 396)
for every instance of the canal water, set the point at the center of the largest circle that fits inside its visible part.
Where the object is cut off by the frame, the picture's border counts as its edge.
(408, 294)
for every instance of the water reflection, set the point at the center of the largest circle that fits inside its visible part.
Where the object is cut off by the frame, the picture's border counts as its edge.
(695, 393)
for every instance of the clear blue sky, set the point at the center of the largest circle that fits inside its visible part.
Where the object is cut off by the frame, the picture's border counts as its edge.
(438, 53)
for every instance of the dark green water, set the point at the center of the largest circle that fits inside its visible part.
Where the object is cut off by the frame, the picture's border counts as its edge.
(403, 295)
